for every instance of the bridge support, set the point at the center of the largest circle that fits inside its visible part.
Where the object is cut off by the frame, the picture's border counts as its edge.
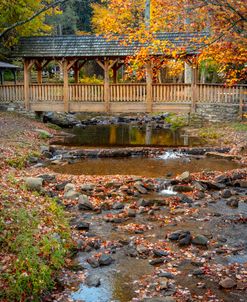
(27, 67)
(149, 82)
(106, 65)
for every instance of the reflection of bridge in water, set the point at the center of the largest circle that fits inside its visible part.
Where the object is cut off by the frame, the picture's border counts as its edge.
(126, 135)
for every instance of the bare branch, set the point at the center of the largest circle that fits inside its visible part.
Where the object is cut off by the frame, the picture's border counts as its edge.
(39, 12)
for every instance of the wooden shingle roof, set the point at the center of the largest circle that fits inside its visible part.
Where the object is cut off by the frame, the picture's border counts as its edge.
(97, 46)
(4, 65)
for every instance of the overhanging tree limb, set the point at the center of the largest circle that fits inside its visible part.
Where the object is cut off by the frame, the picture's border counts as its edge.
(36, 14)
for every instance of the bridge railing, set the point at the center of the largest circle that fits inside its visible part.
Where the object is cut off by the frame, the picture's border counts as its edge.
(11, 93)
(128, 92)
(174, 93)
(186, 94)
(46, 92)
(217, 93)
(86, 92)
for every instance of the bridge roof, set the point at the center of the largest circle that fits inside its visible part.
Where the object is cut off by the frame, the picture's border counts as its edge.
(87, 46)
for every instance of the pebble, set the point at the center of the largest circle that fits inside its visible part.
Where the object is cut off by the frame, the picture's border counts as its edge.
(105, 260)
(92, 281)
(227, 283)
(200, 240)
(82, 226)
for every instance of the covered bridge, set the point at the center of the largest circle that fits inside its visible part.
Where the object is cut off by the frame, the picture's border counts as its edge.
(71, 52)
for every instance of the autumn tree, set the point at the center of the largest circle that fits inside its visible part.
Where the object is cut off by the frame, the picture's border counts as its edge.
(25, 18)
(224, 20)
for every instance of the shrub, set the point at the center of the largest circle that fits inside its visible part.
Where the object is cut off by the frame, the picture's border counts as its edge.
(176, 121)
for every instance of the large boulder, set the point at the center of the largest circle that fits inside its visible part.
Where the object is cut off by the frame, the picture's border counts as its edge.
(69, 187)
(34, 183)
(92, 281)
(200, 240)
(84, 203)
(227, 283)
(184, 177)
(71, 194)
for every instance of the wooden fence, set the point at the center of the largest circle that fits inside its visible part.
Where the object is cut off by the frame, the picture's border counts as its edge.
(128, 93)
(86, 92)
(174, 93)
(44, 96)
(46, 92)
(11, 93)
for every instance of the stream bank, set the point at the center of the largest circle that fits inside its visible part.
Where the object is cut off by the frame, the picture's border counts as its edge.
(134, 239)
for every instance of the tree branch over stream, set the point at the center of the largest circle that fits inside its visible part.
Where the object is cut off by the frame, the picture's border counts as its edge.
(36, 14)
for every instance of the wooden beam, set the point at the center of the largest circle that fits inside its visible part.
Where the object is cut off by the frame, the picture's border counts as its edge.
(65, 86)
(81, 64)
(38, 64)
(194, 88)
(115, 68)
(107, 85)
(149, 82)
(77, 67)
(46, 63)
(26, 84)
(101, 64)
(113, 63)
(70, 64)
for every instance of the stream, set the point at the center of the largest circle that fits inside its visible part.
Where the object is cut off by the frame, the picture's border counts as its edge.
(136, 235)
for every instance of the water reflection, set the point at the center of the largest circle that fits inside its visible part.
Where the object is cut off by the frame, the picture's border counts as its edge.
(127, 135)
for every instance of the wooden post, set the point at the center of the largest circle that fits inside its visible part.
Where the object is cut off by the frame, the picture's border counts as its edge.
(39, 68)
(241, 103)
(107, 85)
(115, 69)
(194, 90)
(106, 66)
(26, 84)
(149, 80)
(65, 86)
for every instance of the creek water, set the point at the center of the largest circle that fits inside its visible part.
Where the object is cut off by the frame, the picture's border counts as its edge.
(119, 281)
(127, 135)
(147, 167)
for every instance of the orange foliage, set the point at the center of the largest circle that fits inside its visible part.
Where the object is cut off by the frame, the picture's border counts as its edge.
(226, 21)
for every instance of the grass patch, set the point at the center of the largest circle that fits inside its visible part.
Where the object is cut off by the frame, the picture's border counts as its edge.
(53, 126)
(240, 126)
(208, 133)
(20, 161)
(38, 238)
(44, 136)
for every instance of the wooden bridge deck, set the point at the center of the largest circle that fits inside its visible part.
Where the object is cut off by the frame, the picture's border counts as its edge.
(124, 97)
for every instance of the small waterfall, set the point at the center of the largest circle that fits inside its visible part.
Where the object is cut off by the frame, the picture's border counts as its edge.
(171, 155)
(168, 192)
